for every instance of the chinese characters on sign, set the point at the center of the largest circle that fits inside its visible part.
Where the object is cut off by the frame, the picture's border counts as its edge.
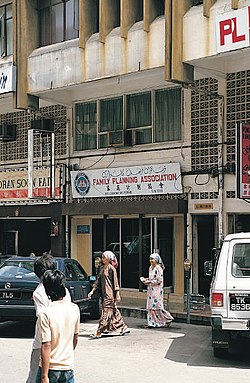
(243, 161)
(136, 180)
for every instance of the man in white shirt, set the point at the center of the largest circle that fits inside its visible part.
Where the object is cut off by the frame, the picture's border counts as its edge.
(41, 300)
(58, 326)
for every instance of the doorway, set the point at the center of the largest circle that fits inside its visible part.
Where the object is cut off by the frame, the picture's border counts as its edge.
(203, 243)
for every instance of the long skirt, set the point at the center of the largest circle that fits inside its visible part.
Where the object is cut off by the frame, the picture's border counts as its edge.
(159, 318)
(110, 320)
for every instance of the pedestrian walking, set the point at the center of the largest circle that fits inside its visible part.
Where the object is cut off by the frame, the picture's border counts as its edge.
(41, 300)
(157, 316)
(111, 321)
(58, 326)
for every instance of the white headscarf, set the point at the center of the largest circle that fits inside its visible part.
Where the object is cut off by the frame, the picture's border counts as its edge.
(158, 259)
(110, 256)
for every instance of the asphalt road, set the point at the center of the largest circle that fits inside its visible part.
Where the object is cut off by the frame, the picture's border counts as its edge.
(178, 354)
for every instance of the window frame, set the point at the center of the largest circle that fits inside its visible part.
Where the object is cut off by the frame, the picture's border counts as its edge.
(49, 7)
(4, 35)
(135, 129)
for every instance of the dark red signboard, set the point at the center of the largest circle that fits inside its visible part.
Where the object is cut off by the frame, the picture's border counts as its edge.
(243, 161)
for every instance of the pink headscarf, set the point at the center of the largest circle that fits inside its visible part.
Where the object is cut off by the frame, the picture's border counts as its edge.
(110, 256)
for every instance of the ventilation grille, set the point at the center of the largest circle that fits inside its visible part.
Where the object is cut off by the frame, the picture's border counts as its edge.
(205, 195)
(204, 121)
(18, 150)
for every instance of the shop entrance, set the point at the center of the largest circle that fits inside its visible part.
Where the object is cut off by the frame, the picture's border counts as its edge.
(133, 240)
(24, 236)
(203, 243)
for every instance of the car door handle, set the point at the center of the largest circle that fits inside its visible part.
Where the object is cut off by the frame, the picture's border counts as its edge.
(71, 287)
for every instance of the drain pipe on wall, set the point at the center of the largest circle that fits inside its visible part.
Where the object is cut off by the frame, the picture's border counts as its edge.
(220, 170)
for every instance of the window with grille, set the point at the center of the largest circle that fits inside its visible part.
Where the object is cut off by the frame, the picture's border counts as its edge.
(59, 20)
(133, 119)
(6, 30)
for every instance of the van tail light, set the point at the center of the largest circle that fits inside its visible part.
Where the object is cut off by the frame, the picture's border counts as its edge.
(217, 300)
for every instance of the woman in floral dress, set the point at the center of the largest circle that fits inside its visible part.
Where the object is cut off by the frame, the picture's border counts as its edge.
(111, 321)
(157, 316)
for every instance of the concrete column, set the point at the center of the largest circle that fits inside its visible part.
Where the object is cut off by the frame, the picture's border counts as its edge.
(207, 4)
(87, 20)
(179, 250)
(128, 16)
(175, 69)
(25, 40)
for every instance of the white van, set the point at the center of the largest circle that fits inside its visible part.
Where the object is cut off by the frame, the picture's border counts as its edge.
(230, 293)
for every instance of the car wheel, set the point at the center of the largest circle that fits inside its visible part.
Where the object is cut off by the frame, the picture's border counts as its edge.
(221, 352)
(97, 309)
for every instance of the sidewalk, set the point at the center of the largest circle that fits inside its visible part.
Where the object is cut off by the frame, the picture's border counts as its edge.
(136, 308)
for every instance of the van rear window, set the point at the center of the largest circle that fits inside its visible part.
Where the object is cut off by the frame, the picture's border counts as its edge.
(241, 260)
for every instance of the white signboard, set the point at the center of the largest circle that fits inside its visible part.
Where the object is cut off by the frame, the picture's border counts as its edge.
(7, 78)
(232, 30)
(136, 180)
(14, 184)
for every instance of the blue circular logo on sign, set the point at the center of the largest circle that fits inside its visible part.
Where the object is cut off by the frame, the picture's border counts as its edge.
(82, 184)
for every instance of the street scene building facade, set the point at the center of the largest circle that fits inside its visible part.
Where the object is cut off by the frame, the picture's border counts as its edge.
(118, 127)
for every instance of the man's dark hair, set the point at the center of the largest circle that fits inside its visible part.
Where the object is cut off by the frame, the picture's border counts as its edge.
(44, 263)
(54, 284)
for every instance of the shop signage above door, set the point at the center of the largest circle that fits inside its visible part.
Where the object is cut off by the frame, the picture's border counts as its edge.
(14, 184)
(243, 161)
(232, 30)
(7, 78)
(125, 181)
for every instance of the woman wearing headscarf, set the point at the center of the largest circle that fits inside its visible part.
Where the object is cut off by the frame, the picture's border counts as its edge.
(157, 316)
(111, 320)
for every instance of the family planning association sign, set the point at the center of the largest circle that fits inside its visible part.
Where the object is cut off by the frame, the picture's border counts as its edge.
(125, 181)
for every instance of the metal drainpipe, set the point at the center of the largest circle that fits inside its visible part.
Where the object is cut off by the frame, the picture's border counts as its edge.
(67, 192)
(220, 169)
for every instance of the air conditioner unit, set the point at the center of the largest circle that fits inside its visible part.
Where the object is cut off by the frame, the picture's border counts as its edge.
(8, 132)
(45, 125)
(120, 138)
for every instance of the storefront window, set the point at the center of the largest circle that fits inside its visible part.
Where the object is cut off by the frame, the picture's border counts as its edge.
(133, 249)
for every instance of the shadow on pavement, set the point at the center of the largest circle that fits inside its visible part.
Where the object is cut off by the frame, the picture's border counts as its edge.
(193, 347)
(22, 330)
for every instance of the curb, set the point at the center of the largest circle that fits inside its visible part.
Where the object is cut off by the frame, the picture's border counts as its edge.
(195, 318)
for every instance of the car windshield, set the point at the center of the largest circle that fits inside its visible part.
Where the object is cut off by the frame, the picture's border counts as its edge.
(18, 270)
(241, 260)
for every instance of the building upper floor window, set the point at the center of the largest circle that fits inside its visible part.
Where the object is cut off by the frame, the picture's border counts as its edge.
(58, 20)
(134, 119)
(197, 2)
(6, 30)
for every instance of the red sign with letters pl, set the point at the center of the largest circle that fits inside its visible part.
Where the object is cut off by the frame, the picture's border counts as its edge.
(233, 29)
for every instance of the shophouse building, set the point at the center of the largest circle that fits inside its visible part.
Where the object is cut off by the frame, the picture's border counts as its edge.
(118, 124)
